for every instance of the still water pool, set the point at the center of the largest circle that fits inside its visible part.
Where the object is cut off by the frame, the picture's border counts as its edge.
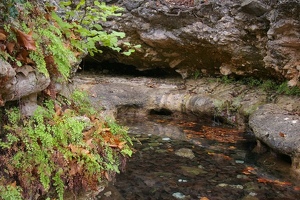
(176, 159)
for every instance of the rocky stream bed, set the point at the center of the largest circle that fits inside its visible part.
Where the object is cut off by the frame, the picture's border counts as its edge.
(258, 159)
(188, 159)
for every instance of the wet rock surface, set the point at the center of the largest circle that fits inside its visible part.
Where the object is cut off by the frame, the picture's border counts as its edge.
(214, 37)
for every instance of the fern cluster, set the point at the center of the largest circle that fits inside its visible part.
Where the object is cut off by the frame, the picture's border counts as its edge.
(57, 40)
(56, 147)
(64, 145)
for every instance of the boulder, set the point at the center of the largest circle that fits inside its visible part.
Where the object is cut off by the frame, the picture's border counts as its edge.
(257, 38)
(279, 129)
(21, 84)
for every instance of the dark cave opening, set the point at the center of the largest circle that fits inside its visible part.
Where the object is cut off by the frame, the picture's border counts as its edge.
(121, 69)
(161, 111)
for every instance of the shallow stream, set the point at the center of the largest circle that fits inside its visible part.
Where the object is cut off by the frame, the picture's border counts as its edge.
(188, 159)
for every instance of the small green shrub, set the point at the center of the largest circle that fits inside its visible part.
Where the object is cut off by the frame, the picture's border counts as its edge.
(284, 88)
(268, 85)
(250, 81)
(226, 79)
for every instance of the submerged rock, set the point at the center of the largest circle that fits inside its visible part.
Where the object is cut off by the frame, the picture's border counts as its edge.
(185, 152)
(192, 171)
(178, 195)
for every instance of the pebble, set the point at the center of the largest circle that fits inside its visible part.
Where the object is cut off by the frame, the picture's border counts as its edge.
(178, 195)
(185, 152)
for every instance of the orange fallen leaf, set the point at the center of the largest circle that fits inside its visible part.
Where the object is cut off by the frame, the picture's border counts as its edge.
(281, 134)
(277, 182)
(204, 198)
(263, 180)
(281, 183)
(248, 170)
(170, 149)
(2, 37)
(58, 110)
(297, 188)
(13, 184)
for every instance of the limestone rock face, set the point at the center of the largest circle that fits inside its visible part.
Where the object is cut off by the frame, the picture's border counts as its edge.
(215, 37)
(22, 83)
(279, 129)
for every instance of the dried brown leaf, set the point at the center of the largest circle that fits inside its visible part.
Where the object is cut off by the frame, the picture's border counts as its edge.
(25, 40)
(10, 47)
(2, 47)
(22, 55)
(58, 109)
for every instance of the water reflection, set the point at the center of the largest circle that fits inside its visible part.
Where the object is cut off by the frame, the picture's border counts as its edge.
(178, 159)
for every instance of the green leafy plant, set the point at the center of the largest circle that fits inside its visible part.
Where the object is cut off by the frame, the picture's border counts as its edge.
(196, 74)
(56, 147)
(81, 101)
(82, 20)
(226, 79)
(10, 192)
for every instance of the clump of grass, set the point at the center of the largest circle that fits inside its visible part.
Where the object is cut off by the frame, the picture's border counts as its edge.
(269, 86)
